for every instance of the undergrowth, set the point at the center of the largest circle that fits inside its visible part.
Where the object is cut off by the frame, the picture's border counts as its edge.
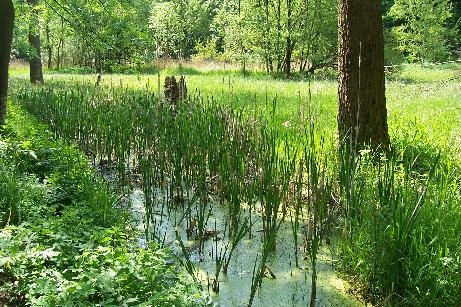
(401, 246)
(66, 239)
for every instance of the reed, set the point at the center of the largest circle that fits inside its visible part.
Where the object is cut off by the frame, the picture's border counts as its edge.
(236, 150)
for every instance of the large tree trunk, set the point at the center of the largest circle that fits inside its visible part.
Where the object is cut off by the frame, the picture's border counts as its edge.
(373, 115)
(362, 116)
(6, 37)
(35, 57)
(349, 72)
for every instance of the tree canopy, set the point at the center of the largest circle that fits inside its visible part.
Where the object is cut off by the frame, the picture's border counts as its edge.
(283, 35)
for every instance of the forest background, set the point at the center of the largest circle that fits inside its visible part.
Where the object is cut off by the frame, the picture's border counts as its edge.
(277, 36)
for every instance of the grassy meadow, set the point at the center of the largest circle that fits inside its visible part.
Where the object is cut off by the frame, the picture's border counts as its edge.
(270, 145)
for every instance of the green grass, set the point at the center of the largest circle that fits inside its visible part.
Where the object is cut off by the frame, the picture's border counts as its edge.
(431, 99)
(426, 73)
(259, 140)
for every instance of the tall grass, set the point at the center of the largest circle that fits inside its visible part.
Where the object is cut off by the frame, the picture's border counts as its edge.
(385, 227)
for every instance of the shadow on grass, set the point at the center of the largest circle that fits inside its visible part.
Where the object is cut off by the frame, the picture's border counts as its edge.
(325, 74)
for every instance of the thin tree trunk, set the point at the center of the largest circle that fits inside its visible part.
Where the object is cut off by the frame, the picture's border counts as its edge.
(48, 44)
(35, 57)
(278, 43)
(303, 61)
(289, 52)
(6, 37)
(50, 54)
(61, 60)
(289, 42)
(60, 50)
(267, 46)
(58, 56)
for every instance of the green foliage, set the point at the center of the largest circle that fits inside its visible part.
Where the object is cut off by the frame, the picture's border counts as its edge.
(318, 34)
(110, 35)
(65, 262)
(178, 26)
(104, 35)
(68, 241)
(392, 54)
(208, 50)
(305, 31)
(112, 32)
(89, 33)
(17, 193)
(166, 27)
(424, 29)
(20, 47)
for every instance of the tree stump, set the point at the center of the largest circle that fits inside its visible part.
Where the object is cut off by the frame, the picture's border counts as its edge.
(175, 91)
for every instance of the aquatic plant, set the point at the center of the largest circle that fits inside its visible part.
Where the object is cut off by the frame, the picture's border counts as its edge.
(237, 150)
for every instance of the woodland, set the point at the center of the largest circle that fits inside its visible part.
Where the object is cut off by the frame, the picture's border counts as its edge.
(230, 152)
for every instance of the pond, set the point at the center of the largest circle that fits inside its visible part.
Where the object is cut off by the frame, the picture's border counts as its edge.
(283, 284)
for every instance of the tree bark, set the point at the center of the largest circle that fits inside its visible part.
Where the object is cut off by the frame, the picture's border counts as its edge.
(35, 57)
(6, 37)
(373, 116)
(362, 116)
(348, 57)
(50, 55)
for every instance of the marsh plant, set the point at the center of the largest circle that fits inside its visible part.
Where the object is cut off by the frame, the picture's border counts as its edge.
(388, 211)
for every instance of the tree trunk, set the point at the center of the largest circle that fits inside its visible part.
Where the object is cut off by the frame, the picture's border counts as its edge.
(48, 44)
(288, 55)
(373, 116)
(50, 54)
(58, 55)
(289, 42)
(301, 60)
(362, 116)
(35, 57)
(278, 42)
(6, 37)
(60, 47)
